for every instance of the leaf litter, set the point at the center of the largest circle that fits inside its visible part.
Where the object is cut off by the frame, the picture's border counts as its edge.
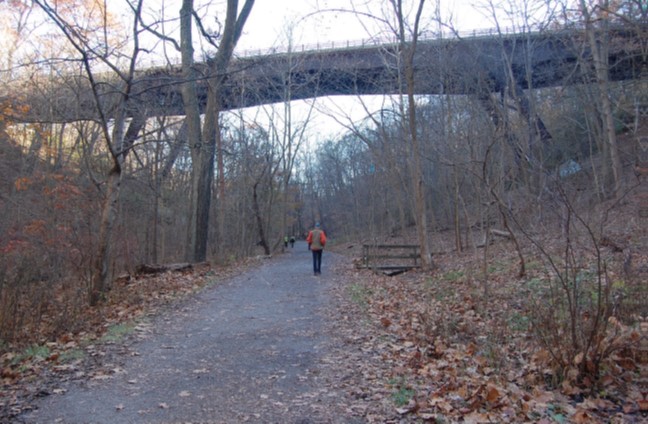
(435, 349)
(416, 347)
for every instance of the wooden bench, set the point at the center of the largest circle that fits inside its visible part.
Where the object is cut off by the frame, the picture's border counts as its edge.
(391, 258)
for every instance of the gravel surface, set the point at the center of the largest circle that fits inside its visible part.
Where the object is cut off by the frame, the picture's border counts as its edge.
(259, 347)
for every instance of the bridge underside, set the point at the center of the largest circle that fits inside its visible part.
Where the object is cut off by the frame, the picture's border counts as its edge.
(469, 67)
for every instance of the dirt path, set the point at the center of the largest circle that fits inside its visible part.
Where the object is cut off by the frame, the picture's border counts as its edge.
(253, 349)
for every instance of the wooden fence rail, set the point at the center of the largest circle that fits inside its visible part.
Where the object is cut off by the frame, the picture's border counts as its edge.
(390, 257)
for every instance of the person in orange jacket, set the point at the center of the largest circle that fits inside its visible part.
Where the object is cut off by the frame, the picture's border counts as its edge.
(316, 241)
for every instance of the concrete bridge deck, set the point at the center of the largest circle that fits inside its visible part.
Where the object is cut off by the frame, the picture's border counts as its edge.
(474, 65)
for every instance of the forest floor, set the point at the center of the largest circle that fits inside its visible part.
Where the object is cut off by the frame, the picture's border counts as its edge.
(269, 342)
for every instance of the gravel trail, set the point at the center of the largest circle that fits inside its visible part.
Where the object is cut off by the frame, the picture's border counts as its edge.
(250, 349)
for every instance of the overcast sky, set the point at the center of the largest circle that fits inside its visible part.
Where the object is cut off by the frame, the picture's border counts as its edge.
(271, 20)
(323, 22)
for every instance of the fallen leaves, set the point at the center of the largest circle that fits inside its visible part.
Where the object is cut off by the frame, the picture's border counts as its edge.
(27, 370)
(469, 358)
(436, 351)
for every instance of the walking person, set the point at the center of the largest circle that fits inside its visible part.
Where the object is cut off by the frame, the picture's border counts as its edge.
(316, 241)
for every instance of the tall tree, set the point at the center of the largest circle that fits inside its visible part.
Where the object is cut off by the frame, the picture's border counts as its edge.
(205, 141)
(408, 49)
(118, 134)
(597, 22)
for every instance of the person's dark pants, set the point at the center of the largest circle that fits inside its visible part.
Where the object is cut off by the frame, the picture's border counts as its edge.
(317, 261)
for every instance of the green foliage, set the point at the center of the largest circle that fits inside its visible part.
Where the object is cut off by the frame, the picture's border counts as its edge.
(533, 265)
(72, 355)
(402, 393)
(32, 352)
(37, 351)
(453, 275)
(359, 294)
(497, 267)
(556, 413)
(118, 332)
(519, 322)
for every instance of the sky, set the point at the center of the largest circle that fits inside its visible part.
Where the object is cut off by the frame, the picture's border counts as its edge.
(272, 20)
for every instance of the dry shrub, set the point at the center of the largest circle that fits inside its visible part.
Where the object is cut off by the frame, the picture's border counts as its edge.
(24, 293)
(44, 259)
(39, 296)
(575, 309)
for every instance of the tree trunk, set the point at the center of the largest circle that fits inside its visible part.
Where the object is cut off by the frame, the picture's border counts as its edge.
(220, 214)
(599, 49)
(456, 216)
(118, 141)
(420, 206)
(257, 214)
(101, 280)
(202, 145)
(192, 119)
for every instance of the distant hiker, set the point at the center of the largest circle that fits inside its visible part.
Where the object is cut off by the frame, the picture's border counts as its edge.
(316, 241)
(285, 241)
(292, 241)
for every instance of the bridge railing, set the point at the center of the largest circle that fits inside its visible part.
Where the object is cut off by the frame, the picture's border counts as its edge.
(375, 41)
(347, 44)
(365, 42)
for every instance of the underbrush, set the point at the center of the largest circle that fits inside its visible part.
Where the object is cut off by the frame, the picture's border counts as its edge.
(46, 242)
(523, 352)
(37, 304)
(56, 341)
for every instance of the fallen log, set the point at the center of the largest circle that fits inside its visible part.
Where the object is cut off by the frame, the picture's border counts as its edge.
(158, 269)
(500, 233)
(494, 232)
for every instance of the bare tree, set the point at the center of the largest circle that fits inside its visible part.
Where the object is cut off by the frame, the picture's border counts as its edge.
(204, 140)
(407, 48)
(18, 25)
(118, 134)
(597, 30)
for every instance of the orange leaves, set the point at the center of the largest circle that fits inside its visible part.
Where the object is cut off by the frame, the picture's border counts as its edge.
(7, 109)
(56, 187)
(61, 190)
(13, 246)
(22, 183)
(582, 417)
(35, 227)
(492, 395)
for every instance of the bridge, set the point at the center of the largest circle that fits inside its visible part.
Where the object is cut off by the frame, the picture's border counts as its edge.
(473, 65)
